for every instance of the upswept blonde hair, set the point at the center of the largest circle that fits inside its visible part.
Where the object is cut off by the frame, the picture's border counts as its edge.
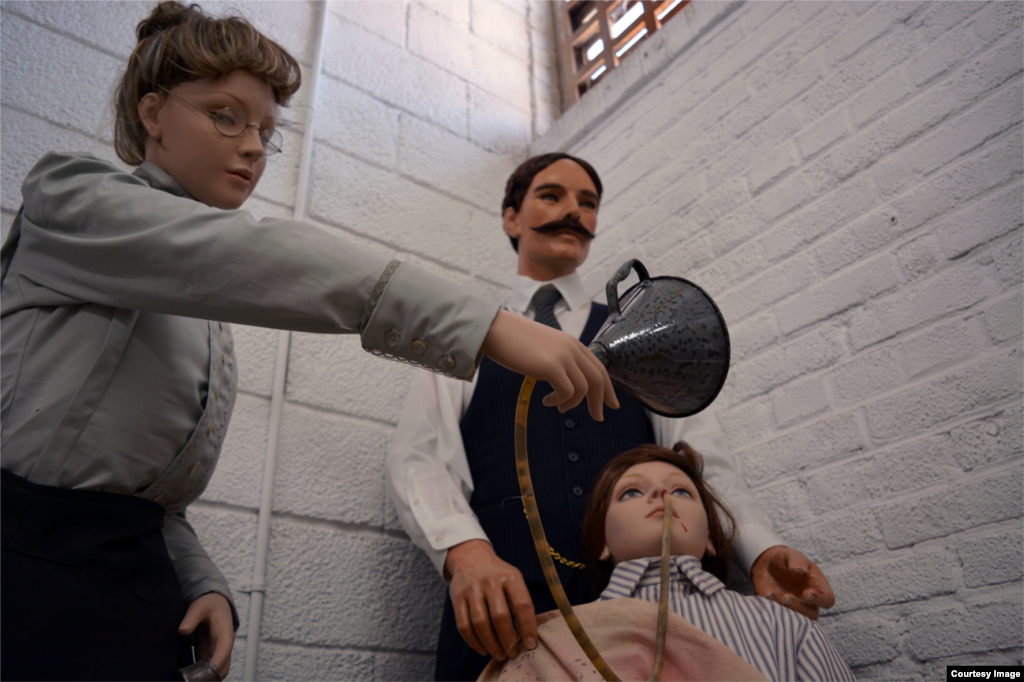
(177, 43)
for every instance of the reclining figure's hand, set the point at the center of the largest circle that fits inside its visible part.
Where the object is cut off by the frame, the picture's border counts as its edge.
(485, 593)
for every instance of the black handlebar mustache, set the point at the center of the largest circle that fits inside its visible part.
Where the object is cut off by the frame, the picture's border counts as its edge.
(566, 223)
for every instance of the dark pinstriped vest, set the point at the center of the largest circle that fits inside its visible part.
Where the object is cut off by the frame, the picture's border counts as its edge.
(567, 451)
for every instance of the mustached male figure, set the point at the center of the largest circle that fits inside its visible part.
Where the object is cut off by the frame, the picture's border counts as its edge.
(451, 467)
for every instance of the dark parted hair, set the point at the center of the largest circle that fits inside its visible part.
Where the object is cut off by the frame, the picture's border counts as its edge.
(177, 44)
(683, 457)
(519, 182)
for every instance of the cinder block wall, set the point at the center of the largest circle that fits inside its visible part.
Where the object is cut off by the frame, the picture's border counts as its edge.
(424, 110)
(844, 178)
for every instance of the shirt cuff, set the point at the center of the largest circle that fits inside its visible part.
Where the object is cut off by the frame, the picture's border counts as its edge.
(420, 319)
(752, 540)
(448, 532)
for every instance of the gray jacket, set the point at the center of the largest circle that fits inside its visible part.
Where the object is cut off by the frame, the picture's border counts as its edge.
(112, 376)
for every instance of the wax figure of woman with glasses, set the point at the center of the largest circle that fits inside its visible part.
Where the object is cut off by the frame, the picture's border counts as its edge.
(622, 539)
(118, 376)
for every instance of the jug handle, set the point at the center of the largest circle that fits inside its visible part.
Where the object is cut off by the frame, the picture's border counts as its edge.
(612, 287)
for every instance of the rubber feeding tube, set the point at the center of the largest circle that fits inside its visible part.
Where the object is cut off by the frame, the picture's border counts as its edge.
(548, 564)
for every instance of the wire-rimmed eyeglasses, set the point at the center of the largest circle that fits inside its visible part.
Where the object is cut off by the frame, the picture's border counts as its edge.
(231, 122)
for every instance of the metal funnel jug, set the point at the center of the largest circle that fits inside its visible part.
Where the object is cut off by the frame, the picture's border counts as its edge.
(664, 343)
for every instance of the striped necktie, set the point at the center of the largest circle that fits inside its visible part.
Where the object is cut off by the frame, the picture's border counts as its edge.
(544, 305)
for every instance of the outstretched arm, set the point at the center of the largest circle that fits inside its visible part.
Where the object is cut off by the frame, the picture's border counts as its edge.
(787, 577)
(88, 228)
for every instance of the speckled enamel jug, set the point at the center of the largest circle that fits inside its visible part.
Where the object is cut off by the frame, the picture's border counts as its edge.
(664, 343)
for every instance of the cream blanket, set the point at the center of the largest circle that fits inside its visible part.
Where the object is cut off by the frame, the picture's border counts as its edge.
(624, 631)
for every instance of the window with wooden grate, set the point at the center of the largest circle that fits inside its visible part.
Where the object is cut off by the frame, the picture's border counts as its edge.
(595, 35)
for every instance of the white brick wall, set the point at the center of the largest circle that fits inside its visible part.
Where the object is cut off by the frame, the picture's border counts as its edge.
(845, 178)
(425, 108)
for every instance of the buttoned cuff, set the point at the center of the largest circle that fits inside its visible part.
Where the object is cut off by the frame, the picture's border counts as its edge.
(420, 319)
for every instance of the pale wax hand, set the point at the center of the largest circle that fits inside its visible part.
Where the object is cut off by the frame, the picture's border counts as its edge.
(485, 593)
(789, 578)
(210, 618)
(550, 355)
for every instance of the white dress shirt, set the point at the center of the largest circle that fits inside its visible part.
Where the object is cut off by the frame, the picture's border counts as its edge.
(428, 475)
(780, 643)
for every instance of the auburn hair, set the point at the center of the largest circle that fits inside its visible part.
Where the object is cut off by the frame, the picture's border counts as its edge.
(177, 44)
(721, 523)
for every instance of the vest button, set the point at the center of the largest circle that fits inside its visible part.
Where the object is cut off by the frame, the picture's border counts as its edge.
(573, 457)
(577, 491)
(569, 423)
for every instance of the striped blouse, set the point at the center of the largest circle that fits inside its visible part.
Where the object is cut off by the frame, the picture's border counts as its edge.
(780, 643)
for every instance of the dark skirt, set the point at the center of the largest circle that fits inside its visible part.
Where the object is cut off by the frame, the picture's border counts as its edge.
(89, 591)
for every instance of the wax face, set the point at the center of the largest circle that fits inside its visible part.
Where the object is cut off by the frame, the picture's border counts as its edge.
(563, 189)
(219, 171)
(633, 525)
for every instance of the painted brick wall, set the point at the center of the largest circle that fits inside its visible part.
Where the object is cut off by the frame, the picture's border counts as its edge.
(844, 178)
(425, 108)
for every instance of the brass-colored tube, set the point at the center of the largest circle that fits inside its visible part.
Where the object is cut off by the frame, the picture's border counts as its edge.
(666, 559)
(548, 565)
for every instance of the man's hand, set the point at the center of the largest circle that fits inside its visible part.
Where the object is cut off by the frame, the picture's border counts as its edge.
(210, 618)
(533, 349)
(786, 576)
(486, 592)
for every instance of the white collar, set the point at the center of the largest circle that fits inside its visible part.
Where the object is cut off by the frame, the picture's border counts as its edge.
(570, 286)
